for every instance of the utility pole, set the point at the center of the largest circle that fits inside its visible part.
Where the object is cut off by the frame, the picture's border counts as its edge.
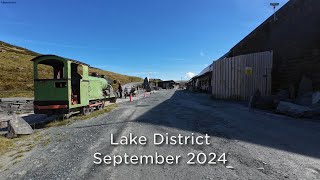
(274, 5)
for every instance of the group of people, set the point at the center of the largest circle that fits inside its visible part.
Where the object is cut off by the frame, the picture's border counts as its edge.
(126, 92)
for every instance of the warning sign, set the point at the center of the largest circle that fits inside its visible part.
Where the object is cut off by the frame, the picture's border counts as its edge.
(248, 71)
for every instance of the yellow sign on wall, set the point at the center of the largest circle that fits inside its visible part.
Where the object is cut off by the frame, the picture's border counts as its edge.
(248, 71)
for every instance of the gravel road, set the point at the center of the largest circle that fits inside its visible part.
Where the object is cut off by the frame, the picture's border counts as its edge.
(258, 145)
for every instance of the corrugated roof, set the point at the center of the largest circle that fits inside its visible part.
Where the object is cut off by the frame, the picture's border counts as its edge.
(205, 70)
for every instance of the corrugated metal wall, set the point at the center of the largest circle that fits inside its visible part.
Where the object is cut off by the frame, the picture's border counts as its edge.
(230, 80)
(294, 39)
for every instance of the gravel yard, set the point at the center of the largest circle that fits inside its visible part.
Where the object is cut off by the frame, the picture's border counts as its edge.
(256, 144)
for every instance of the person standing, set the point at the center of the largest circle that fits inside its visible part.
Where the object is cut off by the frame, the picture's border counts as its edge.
(120, 90)
(126, 92)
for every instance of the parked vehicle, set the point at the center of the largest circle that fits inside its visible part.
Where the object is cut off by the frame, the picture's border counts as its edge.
(70, 88)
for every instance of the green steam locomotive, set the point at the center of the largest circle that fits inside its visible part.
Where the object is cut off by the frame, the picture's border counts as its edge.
(69, 89)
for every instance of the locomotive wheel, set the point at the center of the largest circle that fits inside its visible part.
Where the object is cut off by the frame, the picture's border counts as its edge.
(99, 107)
(85, 111)
(113, 100)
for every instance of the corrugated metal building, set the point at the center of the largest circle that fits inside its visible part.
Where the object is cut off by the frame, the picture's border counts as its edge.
(202, 81)
(240, 76)
(167, 84)
(294, 39)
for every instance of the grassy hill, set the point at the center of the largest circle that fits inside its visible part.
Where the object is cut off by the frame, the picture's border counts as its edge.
(16, 71)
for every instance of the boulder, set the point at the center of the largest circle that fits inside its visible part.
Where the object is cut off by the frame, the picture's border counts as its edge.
(294, 110)
(316, 97)
(19, 126)
(305, 99)
(254, 98)
(4, 118)
(292, 91)
(305, 86)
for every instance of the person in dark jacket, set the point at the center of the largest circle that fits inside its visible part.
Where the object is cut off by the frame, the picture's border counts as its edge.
(120, 90)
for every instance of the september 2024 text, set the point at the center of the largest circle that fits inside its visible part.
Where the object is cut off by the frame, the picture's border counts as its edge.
(155, 158)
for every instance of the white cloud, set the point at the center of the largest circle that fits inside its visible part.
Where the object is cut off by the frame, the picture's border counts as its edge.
(190, 74)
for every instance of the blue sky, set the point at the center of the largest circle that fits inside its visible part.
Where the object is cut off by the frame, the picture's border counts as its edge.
(167, 38)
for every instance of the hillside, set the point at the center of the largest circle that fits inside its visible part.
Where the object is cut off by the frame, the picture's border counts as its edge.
(16, 72)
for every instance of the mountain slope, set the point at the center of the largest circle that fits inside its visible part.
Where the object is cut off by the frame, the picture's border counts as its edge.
(16, 71)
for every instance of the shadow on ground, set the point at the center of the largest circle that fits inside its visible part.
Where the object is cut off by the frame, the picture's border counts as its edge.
(198, 113)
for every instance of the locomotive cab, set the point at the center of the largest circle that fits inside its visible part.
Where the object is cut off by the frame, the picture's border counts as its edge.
(58, 83)
(76, 78)
(63, 86)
